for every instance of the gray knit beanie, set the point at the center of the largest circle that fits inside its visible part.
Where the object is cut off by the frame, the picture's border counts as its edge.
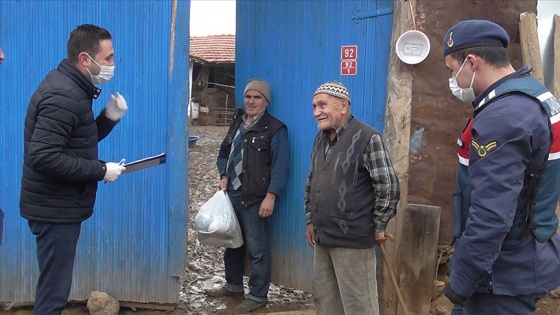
(260, 86)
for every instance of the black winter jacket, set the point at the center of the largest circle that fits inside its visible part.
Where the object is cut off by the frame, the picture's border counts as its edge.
(257, 161)
(60, 164)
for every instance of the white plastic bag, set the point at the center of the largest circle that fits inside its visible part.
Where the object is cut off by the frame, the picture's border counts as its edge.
(217, 224)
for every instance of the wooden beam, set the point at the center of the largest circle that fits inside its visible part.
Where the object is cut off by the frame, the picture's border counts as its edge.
(148, 306)
(397, 136)
(556, 60)
(556, 71)
(530, 49)
(419, 252)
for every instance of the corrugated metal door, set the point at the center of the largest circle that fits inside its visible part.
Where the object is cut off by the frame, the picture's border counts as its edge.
(296, 46)
(134, 246)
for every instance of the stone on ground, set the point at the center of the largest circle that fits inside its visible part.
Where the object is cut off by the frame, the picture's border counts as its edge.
(100, 303)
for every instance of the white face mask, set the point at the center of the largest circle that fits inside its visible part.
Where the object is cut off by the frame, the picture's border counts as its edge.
(465, 95)
(105, 74)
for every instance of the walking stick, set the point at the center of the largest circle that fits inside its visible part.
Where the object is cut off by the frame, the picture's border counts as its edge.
(392, 274)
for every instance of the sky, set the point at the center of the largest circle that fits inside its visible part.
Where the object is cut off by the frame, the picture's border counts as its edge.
(212, 17)
(545, 15)
(216, 17)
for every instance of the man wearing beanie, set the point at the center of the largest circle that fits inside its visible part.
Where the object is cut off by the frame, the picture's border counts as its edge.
(507, 251)
(350, 195)
(253, 162)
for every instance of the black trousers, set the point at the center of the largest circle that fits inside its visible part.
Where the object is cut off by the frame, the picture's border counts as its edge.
(56, 250)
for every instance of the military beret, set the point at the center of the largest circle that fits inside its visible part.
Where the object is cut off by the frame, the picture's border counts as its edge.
(474, 33)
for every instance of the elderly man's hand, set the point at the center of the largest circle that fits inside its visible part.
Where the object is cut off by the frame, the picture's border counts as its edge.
(267, 205)
(380, 237)
(223, 183)
(310, 235)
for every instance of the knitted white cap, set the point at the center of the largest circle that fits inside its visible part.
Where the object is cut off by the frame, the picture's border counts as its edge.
(334, 88)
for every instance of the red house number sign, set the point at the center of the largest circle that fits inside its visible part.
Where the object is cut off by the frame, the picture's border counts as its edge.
(349, 52)
(348, 57)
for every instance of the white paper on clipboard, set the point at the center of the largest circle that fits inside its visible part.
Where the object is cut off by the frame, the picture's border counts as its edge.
(145, 163)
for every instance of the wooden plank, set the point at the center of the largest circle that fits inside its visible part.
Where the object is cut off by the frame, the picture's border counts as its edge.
(556, 61)
(419, 252)
(397, 137)
(148, 306)
(556, 71)
(530, 49)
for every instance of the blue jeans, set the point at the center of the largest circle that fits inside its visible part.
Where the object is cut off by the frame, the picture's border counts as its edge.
(490, 304)
(56, 250)
(256, 246)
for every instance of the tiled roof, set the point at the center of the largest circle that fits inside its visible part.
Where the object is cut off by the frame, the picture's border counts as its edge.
(213, 49)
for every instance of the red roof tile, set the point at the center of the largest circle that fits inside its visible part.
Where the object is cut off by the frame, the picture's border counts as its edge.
(213, 49)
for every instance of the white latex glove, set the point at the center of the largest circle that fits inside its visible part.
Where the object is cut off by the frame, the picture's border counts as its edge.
(113, 171)
(116, 107)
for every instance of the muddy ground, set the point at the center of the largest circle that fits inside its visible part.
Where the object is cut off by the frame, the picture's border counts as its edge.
(205, 266)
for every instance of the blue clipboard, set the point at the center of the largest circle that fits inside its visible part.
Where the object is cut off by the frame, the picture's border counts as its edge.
(145, 163)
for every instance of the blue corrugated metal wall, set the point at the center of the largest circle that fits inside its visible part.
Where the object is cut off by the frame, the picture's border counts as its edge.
(134, 246)
(296, 46)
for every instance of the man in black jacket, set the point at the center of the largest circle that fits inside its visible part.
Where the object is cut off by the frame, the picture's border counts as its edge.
(61, 168)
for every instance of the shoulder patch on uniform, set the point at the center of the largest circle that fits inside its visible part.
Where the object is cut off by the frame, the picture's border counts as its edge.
(483, 149)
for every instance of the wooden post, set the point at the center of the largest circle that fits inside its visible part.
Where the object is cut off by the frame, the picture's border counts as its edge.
(203, 75)
(419, 252)
(397, 136)
(530, 49)
(556, 71)
(556, 60)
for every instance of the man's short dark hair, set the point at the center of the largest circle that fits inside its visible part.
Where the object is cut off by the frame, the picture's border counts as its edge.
(495, 56)
(86, 38)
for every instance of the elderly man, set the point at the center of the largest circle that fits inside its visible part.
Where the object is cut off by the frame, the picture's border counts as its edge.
(253, 162)
(350, 196)
(507, 254)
